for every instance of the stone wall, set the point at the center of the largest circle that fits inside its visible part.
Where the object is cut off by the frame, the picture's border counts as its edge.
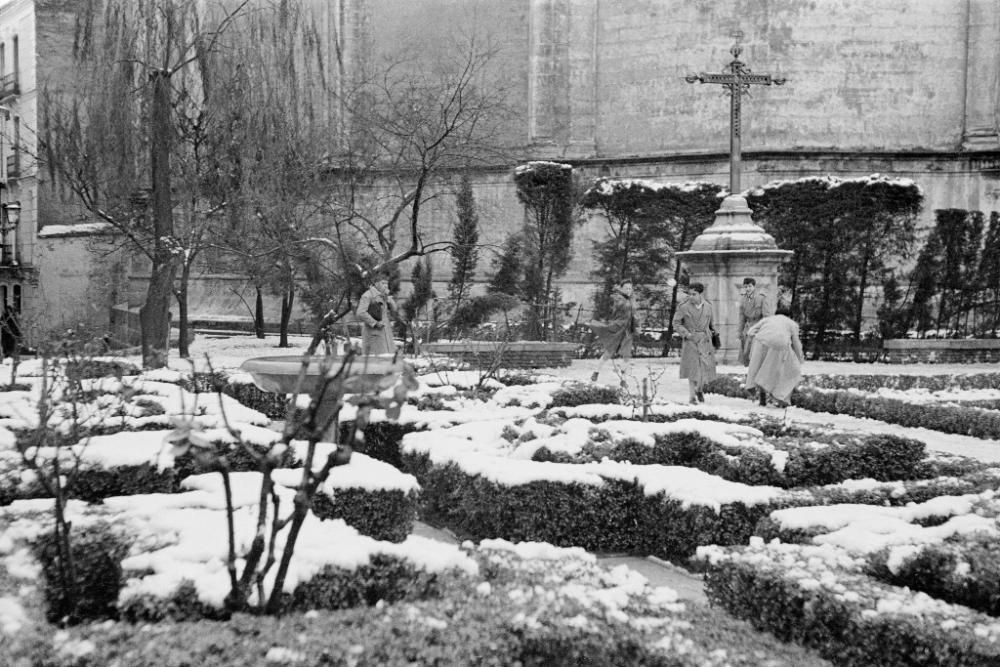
(906, 351)
(522, 354)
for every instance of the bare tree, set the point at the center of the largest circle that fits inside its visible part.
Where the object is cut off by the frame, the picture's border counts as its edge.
(114, 135)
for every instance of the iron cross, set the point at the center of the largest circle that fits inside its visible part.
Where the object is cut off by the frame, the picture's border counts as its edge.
(737, 81)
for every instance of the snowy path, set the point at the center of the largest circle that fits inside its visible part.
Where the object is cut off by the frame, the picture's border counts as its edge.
(669, 387)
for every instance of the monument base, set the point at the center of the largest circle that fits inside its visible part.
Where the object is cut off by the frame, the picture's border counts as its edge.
(732, 249)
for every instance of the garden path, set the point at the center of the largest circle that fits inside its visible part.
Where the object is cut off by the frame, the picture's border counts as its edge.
(668, 387)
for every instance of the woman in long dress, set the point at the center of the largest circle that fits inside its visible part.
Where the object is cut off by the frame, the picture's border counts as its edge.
(374, 311)
(775, 358)
(617, 334)
(693, 322)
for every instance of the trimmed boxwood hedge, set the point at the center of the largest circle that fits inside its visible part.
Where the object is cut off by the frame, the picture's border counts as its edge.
(947, 418)
(837, 628)
(384, 515)
(964, 570)
(93, 484)
(874, 382)
(881, 457)
(384, 577)
(615, 517)
(97, 550)
(382, 440)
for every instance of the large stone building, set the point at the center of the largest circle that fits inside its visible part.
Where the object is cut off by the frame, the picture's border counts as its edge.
(901, 87)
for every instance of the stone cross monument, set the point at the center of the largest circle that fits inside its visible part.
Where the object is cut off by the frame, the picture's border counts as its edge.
(733, 247)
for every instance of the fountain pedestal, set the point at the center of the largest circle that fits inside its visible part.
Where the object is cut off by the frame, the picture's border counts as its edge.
(734, 247)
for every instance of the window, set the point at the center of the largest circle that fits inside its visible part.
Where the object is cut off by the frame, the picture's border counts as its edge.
(3, 293)
(13, 48)
(3, 58)
(17, 299)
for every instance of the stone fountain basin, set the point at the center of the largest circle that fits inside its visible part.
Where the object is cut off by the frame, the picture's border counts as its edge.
(281, 374)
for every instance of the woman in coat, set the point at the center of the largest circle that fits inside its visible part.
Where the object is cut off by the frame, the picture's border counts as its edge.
(775, 358)
(374, 311)
(693, 322)
(617, 334)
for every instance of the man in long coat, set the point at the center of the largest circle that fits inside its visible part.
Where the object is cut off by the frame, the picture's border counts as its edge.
(775, 358)
(374, 311)
(693, 322)
(617, 335)
(754, 305)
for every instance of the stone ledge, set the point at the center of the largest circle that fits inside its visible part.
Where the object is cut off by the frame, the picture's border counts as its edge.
(941, 351)
(516, 354)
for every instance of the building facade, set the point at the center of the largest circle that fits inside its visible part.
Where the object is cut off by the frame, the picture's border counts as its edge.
(898, 87)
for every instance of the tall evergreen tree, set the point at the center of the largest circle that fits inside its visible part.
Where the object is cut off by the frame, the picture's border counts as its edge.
(547, 191)
(989, 272)
(464, 251)
(508, 267)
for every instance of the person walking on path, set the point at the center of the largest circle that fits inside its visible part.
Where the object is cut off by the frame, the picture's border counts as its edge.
(693, 321)
(374, 311)
(775, 358)
(617, 334)
(753, 307)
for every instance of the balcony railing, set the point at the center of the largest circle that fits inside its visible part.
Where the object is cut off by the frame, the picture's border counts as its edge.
(9, 85)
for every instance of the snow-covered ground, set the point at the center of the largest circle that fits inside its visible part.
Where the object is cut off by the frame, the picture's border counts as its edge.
(472, 434)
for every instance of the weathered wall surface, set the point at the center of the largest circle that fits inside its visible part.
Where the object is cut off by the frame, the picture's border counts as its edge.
(81, 278)
(861, 75)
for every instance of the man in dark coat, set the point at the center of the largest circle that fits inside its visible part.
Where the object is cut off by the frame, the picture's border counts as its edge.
(754, 306)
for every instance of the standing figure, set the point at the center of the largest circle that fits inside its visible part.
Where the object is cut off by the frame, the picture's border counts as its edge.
(753, 306)
(775, 358)
(616, 335)
(374, 311)
(693, 321)
(10, 333)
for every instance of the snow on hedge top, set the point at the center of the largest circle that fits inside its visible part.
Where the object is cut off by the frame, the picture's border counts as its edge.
(868, 528)
(831, 182)
(540, 164)
(480, 449)
(177, 542)
(362, 472)
(608, 186)
(833, 572)
(535, 550)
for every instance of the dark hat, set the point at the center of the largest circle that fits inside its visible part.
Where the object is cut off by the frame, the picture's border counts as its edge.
(749, 281)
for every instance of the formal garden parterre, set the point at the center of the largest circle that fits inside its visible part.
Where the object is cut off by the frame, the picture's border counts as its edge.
(533, 462)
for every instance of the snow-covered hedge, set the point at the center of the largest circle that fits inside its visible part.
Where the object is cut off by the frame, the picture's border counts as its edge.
(532, 604)
(975, 422)
(876, 381)
(963, 569)
(820, 596)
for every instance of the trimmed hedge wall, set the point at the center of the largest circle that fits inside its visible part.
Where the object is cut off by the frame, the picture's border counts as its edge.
(838, 628)
(382, 578)
(384, 515)
(964, 570)
(615, 517)
(93, 484)
(882, 457)
(945, 418)
(873, 382)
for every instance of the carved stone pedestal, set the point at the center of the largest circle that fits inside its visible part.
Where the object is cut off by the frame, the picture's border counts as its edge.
(732, 249)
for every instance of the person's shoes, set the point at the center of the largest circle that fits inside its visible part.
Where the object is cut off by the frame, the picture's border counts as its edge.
(593, 376)
(762, 398)
(624, 385)
(701, 397)
(694, 401)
